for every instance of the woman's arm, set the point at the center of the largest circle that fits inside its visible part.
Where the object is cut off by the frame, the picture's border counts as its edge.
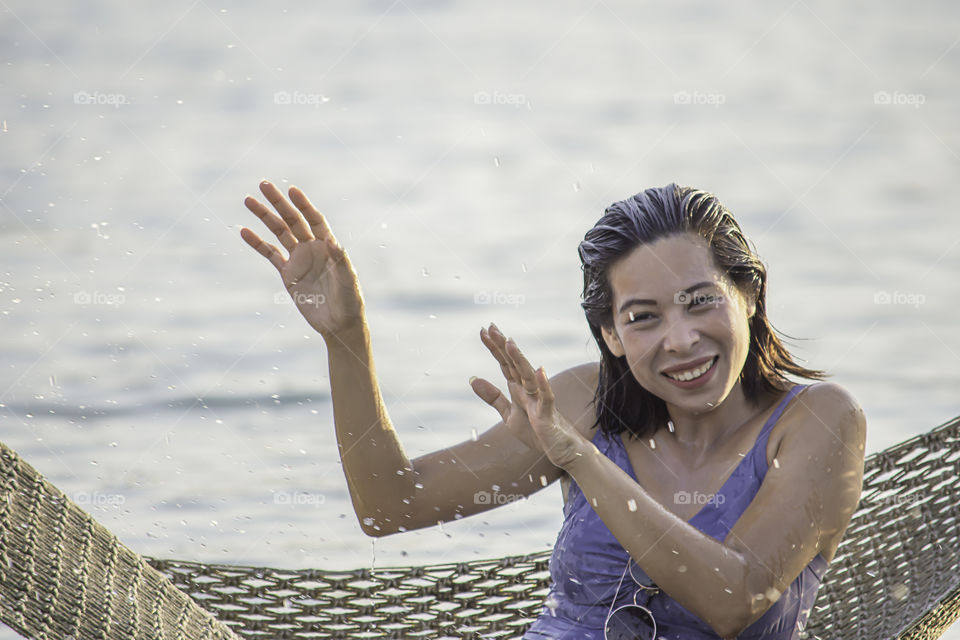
(802, 507)
(391, 493)
(474, 476)
(323, 284)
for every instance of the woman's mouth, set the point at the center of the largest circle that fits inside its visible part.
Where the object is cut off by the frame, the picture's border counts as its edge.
(694, 377)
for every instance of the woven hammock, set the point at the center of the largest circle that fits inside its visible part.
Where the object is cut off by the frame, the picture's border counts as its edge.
(64, 576)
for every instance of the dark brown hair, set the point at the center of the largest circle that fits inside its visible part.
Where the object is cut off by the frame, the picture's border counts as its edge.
(622, 404)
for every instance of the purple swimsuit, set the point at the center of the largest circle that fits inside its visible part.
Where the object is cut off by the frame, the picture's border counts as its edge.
(588, 562)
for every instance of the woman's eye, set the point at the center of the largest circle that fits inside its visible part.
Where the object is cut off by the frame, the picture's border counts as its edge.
(637, 317)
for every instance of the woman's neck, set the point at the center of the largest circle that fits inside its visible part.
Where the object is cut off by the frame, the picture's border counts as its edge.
(698, 433)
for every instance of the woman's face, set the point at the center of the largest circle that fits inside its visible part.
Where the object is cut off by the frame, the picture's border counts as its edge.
(680, 322)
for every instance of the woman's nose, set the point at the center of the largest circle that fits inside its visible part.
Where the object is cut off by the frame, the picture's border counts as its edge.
(681, 335)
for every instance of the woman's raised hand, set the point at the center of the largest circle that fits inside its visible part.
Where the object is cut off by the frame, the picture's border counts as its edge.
(530, 413)
(317, 274)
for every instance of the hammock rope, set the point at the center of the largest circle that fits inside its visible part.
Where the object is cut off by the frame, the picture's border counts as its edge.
(896, 573)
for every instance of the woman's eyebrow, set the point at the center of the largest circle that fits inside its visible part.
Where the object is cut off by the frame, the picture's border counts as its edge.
(633, 301)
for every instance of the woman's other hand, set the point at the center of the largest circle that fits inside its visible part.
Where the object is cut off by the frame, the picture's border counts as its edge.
(317, 273)
(530, 413)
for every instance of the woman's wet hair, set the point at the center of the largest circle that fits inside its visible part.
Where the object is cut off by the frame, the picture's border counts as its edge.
(622, 404)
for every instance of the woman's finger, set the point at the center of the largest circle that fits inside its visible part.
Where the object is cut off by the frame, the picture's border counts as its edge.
(318, 224)
(287, 211)
(500, 341)
(490, 394)
(545, 408)
(519, 395)
(497, 353)
(273, 222)
(265, 249)
(524, 369)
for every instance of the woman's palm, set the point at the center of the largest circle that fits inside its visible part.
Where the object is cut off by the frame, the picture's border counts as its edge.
(317, 275)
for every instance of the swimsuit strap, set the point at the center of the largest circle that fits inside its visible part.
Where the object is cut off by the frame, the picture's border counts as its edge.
(775, 416)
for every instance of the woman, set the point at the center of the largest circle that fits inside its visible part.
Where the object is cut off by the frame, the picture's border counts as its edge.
(717, 514)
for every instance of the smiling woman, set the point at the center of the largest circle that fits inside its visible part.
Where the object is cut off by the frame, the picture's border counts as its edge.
(686, 236)
(727, 501)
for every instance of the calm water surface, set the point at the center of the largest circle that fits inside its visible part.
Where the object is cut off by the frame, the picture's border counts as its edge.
(460, 152)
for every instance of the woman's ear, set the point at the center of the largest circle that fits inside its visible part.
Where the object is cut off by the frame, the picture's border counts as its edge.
(751, 301)
(613, 341)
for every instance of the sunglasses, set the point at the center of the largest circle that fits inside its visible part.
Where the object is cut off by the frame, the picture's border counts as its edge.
(632, 621)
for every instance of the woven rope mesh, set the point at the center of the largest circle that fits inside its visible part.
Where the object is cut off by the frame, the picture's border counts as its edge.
(896, 573)
(64, 576)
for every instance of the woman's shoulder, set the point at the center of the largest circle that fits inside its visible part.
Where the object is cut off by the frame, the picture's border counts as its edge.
(827, 404)
(829, 397)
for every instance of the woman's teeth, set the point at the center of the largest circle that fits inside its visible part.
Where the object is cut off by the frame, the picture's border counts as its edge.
(692, 374)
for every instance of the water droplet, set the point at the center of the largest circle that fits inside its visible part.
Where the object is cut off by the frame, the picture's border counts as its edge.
(552, 604)
(900, 591)
(632, 504)
(473, 434)
(653, 445)
(543, 481)
(776, 463)
(496, 161)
